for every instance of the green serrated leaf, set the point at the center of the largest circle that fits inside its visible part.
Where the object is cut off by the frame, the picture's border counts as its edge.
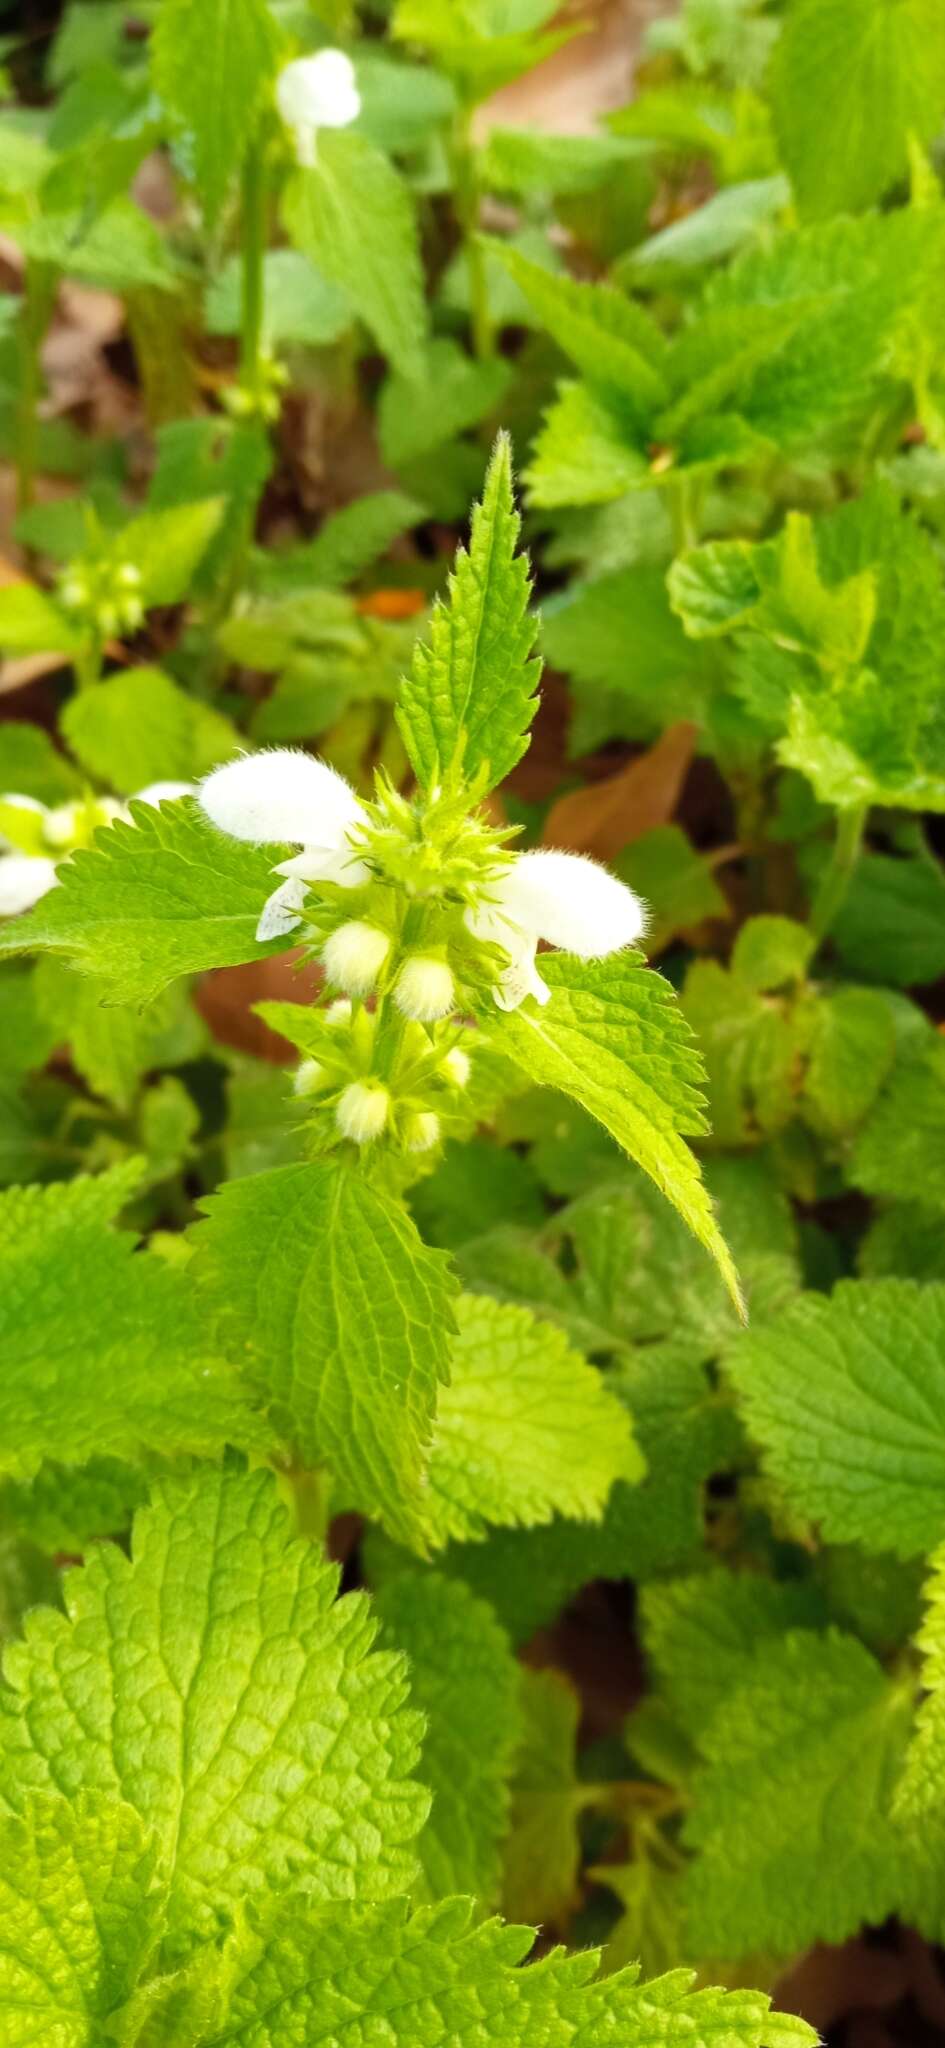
(31, 766)
(335, 1312)
(543, 1853)
(212, 67)
(851, 80)
(524, 1429)
(352, 214)
(846, 1397)
(81, 1908)
(612, 1038)
(702, 1632)
(786, 1857)
(383, 1973)
(31, 624)
(214, 1683)
(465, 1681)
(104, 1351)
(139, 727)
(162, 897)
(470, 695)
(588, 451)
(611, 340)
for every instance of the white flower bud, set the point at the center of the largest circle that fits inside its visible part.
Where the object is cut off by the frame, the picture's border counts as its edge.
(74, 592)
(425, 989)
(338, 1013)
(354, 955)
(456, 1067)
(127, 576)
(362, 1111)
(317, 92)
(310, 1076)
(421, 1130)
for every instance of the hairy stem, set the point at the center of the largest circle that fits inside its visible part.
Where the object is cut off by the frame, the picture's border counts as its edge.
(467, 206)
(255, 220)
(840, 870)
(39, 291)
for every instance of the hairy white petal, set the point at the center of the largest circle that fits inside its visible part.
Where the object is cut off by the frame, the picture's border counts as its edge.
(354, 955)
(317, 92)
(280, 914)
(425, 989)
(327, 864)
(23, 880)
(571, 902)
(278, 794)
(162, 792)
(521, 979)
(362, 1111)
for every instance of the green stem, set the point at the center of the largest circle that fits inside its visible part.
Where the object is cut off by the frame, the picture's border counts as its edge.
(840, 870)
(88, 664)
(254, 229)
(685, 500)
(468, 196)
(39, 291)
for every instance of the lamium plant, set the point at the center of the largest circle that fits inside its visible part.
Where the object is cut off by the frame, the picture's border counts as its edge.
(472, 1096)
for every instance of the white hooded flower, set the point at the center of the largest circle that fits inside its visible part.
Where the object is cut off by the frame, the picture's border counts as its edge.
(317, 92)
(282, 794)
(25, 877)
(562, 898)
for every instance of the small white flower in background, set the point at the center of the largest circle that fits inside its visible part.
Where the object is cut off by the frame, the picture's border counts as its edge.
(457, 1067)
(563, 898)
(317, 92)
(25, 877)
(281, 794)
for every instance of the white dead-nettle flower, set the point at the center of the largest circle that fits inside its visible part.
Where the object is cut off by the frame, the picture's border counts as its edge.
(317, 92)
(283, 794)
(563, 898)
(25, 877)
(362, 1111)
(425, 989)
